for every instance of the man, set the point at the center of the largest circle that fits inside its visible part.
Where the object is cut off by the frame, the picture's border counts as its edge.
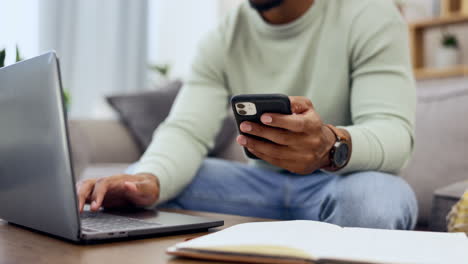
(346, 62)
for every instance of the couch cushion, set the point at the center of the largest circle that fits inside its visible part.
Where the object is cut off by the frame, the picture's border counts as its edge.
(441, 146)
(79, 147)
(104, 141)
(100, 170)
(143, 112)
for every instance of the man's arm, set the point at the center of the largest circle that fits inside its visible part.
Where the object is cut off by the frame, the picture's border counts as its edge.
(179, 144)
(382, 106)
(383, 94)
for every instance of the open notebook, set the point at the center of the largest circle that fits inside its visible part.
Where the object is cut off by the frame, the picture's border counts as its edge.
(315, 242)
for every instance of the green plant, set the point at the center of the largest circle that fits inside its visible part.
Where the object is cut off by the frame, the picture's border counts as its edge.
(2, 58)
(449, 40)
(18, 56)
(162, 69)
(67, 99)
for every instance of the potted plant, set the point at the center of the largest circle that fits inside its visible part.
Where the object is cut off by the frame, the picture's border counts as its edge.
(159, 73)
(2, 57)
(448, 52)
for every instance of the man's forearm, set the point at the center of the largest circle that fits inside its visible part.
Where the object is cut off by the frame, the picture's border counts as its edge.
(381, 145)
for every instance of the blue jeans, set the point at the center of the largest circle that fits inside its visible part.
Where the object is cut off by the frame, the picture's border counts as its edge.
(362, 199)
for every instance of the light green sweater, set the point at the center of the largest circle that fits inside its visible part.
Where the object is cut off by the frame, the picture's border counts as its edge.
(350, 57)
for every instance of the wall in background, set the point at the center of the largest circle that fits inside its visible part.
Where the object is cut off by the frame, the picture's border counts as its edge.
(103, 45)
(419, 9)
(176, 27)
(19, 26)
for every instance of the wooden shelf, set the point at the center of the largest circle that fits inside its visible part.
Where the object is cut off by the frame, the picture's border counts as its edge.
(428, 73)
(440, 21)
(454, 12)
(417, 31)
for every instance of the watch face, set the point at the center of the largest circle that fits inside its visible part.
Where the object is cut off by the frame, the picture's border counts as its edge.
(341, 154)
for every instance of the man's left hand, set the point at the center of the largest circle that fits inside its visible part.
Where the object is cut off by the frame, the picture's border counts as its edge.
(301, 142)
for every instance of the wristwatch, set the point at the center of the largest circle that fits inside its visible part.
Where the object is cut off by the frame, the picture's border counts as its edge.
(340, 153)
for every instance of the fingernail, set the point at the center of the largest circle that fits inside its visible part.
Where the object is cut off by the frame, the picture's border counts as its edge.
(246, 127)
(266, 119)
(242, 140)
(94, 204)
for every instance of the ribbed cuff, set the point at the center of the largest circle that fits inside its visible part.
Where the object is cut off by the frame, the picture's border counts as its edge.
(360, 152)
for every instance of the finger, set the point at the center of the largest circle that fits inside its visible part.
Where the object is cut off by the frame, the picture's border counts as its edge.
(274, 161)
(289, 165)
(279, 136)
(296, 123)
(300, 104)
(84, 189)
(270, 149)
(99, 192)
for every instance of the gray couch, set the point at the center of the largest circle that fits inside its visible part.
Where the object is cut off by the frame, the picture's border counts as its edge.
(105, 147)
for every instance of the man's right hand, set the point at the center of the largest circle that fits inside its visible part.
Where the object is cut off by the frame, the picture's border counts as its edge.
(118, 191)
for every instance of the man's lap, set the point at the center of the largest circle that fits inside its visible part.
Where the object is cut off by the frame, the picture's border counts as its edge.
(235, 188)
(365, 199)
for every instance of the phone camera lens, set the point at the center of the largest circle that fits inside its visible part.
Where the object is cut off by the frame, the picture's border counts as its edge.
(242, 112)
(241, 106)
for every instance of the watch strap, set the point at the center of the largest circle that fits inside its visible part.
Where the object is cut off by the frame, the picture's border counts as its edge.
(343, 137)
(339, 134)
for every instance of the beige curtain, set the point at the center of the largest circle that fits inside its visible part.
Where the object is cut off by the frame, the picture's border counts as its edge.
(102, 46)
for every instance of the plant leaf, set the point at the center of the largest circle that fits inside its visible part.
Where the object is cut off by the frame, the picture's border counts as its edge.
(66, 98)
(449, 40)
(18, 56)
(162, 69)
(2, 58)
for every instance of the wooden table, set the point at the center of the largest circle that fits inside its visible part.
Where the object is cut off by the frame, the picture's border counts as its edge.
(18, 245)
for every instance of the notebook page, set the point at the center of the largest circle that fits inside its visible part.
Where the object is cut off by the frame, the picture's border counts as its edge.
(392, 246)
(309, 237)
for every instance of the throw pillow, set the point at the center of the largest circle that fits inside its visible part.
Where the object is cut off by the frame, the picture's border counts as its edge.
(143, 112)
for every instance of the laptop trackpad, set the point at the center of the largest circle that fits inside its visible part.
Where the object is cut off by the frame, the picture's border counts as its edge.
(163, 218)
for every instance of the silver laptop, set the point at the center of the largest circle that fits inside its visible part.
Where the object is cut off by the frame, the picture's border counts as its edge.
(37, 186)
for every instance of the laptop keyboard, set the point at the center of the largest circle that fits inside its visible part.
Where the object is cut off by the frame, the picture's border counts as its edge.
(91, 221)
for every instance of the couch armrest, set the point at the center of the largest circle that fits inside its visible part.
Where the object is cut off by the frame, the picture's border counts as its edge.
(105, 141)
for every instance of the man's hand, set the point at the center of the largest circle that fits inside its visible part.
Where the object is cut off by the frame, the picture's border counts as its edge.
(301, 141)
(118, 191)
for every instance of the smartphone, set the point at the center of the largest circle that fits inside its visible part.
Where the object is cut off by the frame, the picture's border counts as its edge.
(250, 107)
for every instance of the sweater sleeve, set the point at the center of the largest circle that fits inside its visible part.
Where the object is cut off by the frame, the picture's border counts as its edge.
(182, 141)
(383, 93)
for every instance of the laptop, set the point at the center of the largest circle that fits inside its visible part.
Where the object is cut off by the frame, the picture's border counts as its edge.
(37, 185)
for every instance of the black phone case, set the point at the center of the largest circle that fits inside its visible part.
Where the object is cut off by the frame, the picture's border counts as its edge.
(265, 103)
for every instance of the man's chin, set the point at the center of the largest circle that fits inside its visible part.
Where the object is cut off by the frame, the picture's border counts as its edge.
(265, 5)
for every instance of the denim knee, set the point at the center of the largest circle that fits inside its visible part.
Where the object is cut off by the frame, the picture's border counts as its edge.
(372, 200)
